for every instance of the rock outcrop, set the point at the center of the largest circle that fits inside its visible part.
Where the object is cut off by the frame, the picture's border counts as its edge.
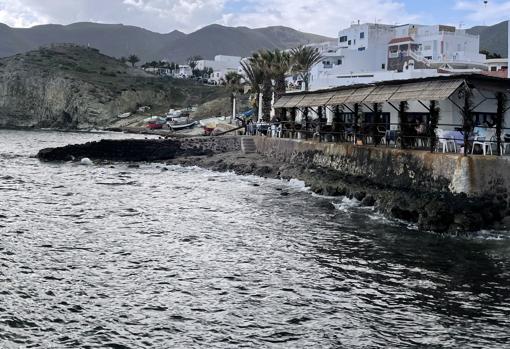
(74, 87)
(141, 149)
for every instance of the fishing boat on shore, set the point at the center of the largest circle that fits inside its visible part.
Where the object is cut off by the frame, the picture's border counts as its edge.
(181, 126)
(180, 122)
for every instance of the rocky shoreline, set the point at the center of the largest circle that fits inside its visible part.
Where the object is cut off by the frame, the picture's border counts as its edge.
(439, 212)
(430, 211)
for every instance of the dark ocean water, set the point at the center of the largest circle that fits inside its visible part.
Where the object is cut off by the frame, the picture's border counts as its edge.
(119, 257)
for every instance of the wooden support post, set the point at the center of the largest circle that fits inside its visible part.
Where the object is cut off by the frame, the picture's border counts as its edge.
(403, 123)
(337, 126)
(376, 122)
(305, 113)
(355, 121)
(500, 118)
(467, 118)
(432, 125)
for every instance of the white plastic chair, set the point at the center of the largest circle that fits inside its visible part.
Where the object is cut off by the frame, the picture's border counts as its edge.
(444, 143)
(484, 138)
(505, 144)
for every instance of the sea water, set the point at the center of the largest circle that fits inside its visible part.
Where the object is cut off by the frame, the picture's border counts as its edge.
(161, 256)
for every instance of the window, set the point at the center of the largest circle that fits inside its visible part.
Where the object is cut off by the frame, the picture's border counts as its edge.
(361, 49)
(362, 35)
(493, 68)
(383, 66)
(349, 42)
(339, 62)
(343, 38)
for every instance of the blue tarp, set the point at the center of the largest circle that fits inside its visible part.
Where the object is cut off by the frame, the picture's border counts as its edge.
(248, 113)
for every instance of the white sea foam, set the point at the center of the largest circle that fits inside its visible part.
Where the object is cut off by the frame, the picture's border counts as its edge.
(86, 161)
(298, 184)
(346, 204)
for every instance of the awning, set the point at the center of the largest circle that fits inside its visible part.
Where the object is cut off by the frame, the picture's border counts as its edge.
(360, 94)
(321, 99)
(381, 94)
(440, 90)
(293, 101)
(307, 101)
(280, 103)
(341, 96)
(426, 91)
(416, 91)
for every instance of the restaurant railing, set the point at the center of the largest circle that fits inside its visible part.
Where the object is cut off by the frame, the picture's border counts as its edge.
(444, 137)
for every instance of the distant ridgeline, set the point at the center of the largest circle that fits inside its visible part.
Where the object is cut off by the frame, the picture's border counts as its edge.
(119, 40)
(73, 86)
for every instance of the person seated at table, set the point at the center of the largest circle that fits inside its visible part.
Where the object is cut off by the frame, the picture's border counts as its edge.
(420, 128)
(421, 132)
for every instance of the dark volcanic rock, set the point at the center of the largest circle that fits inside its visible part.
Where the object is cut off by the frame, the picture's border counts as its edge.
(368, 201)
(123, 150)
(140, 149)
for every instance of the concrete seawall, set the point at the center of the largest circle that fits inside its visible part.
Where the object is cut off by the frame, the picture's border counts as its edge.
(396, 168)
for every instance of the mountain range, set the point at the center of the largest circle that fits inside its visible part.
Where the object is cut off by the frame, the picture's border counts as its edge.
(493, 38)
(119, 40)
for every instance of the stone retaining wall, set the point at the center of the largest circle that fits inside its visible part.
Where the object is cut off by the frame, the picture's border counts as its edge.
(396, 168)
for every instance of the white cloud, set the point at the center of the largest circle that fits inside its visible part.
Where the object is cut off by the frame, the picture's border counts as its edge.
(319, 16)
(16, 14)
(157, 15)
(476, 12)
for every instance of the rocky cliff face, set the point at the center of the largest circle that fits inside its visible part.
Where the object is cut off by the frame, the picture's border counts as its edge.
(69, 86)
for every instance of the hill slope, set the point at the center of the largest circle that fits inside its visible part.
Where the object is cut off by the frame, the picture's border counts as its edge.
(241, 41)
(69, 86)
(120, 40)
(493, 38)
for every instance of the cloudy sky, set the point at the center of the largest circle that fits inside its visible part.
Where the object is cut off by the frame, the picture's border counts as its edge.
(316, 16)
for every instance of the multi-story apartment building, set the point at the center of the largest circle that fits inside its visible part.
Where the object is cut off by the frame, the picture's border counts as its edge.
(435, 46)
(373, 52)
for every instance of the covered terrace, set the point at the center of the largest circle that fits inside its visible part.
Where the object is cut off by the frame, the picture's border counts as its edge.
(460, 113)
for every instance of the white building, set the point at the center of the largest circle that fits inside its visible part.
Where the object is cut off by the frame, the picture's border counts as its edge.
(221, 66)
(158, 71)
(367, 53)
(184, 71)
(435, 46)
(497, 64)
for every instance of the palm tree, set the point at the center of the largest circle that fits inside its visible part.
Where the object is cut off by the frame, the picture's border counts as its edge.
(303, 59)
(193, 62)
(233, 81)
(263, 61)
(133, 59)
(280, 68)
(254, 77)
